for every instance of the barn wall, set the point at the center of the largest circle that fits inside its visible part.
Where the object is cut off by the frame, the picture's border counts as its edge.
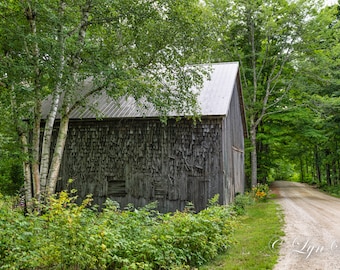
(139, 161)
(233, 153)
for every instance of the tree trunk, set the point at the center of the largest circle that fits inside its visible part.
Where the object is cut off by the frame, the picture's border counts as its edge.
(328, 167)
(31, 17)
(253, 125)
(21, 130)
(53, 171)
(36, 150)
(253, 155)
(328, 174)
(47, 137)
(317, 164)
(336, 164)
(302, 172)
(334, 173)
(46, 143)
(58, 154)
(27, 170)
(307, 167)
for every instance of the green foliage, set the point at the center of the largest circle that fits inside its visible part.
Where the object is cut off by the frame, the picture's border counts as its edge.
(11, 172)
(332, 190)
(251, 33)
(11, 177)
(260, 192)
(241, 202)
(302, 141)
(64, 235)
(259, 228)
(291, 78)
(146, 50)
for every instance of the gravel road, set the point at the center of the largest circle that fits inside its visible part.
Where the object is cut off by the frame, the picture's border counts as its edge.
(312, 230)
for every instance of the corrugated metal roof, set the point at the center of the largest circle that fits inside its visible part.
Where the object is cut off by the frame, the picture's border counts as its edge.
(216, 93)
(214, 98)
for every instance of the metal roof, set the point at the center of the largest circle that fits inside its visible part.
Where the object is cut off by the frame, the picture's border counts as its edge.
(216, 93)
(214, 98)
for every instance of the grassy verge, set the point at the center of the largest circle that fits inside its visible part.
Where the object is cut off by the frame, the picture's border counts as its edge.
(332, 190)
(259, 228)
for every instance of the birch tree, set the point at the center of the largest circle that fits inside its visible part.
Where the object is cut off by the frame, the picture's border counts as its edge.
(49, 49)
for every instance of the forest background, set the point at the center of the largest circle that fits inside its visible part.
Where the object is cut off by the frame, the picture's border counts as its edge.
(289, 55)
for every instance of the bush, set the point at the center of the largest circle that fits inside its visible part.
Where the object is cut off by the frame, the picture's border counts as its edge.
(64, 235)
(260, 192)
(332, 190)
(241, 202)
(11, 177)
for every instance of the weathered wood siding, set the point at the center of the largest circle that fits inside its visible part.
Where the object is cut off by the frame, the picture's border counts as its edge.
(233, 150)
(141, 160)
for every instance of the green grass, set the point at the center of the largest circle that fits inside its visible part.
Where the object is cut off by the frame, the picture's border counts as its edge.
(258, 229)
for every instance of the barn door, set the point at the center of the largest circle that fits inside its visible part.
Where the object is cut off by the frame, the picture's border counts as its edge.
(198, 191)
(238, 170)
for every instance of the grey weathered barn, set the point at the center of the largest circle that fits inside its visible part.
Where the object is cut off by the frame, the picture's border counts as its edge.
(135, 158)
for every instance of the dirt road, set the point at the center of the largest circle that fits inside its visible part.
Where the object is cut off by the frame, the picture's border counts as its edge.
(312, 229)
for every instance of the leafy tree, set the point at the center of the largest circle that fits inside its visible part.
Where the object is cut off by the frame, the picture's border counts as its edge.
(319, 81)
(266, 37)
(305, 135)
(53, 48)
(11, 158)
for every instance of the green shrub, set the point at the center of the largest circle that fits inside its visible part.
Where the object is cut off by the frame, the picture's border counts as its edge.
(260, 192)
(332, 190)
(241, 202)
(64, 235)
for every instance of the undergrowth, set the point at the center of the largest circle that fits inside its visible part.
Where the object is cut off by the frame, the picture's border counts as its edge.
(258, 239)
(64, 235)
(332, 190)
